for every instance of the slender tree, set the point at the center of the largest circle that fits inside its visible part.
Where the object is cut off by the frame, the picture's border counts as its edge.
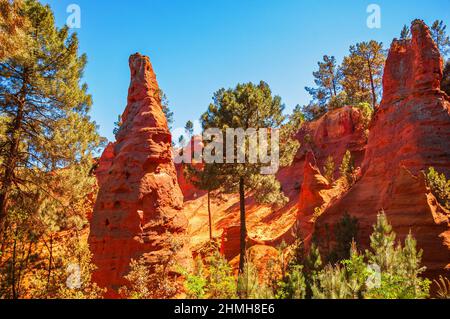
(440, 37)
(405, 33)
(189, 129)
(363, 72)
(204, 178)
(327, 79)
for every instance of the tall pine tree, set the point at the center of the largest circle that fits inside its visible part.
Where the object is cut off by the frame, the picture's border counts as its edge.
(249, 106)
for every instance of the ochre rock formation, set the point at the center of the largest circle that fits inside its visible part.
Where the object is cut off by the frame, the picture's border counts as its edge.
(409, 134)
(138, 209)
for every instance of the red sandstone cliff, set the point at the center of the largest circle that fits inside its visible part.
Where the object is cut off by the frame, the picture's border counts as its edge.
(138, 209)
(410, 132)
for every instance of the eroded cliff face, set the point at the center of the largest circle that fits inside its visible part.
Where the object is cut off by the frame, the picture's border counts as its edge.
(409, 134)
(138, 209)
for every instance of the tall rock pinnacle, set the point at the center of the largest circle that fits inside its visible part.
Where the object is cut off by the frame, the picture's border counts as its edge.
(138, 209)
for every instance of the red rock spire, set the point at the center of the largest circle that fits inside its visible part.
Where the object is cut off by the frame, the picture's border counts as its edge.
(138, 209)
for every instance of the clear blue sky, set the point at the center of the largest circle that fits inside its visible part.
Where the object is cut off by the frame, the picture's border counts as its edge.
(199, 46)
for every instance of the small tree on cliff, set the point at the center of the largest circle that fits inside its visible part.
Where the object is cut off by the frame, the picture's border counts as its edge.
(347, 168)
(363, 71)
(445, 84)
(405, 34)
(440, 37)
(327, 80)
(249, 106)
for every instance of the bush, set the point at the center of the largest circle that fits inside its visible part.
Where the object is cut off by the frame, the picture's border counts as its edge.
(345, 233)
(439, 186)
(347, 169)
(329, 169)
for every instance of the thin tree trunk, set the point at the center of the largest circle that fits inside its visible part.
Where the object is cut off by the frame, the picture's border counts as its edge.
(50, 262)
(209, 215)
(13, 268)
(243, 238)
(374, 95)
(12, 157)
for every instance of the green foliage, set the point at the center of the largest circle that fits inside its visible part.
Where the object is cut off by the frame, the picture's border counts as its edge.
(166, 108)
(345, 233)
(296, 119)
(189, 128)
(405, 34)
(249, 286)
(139, 279)
(327, 80)
(445, 83)
(294, 285)
(386, 272)
(249, 106)
(440, 37)
(196, 282)
(329, 169)
(13, 29)
(362, 72)
(69, 276)
(439, 186)
(213, 279)
(117, 125)
(338, 101)
(155, 280)
(367, 114)
(399, 266)
(347, 169)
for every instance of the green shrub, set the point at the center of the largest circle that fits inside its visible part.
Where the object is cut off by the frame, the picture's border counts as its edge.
(439, 186)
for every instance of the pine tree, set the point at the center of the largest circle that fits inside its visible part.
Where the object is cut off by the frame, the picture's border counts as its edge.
(363, 71)
(189, 128)
(249, 106)
(44, 103)
(405, 33)
(439, 186)
(347, 168)
(327, 80)
(166, 108)
(440, 37)
(382, 243)
(345, 233)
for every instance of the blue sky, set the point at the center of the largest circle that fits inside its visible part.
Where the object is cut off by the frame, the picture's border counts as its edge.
(199, 46)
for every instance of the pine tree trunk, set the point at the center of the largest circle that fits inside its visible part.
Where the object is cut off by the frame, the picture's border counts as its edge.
(50, 262)
(243, 238)
(209, 215)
